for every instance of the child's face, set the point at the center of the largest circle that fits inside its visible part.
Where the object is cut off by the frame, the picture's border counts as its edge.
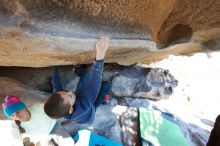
(22, 115)
(68, 97)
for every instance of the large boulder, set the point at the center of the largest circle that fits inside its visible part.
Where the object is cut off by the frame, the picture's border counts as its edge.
(39, 33)
(137, 81)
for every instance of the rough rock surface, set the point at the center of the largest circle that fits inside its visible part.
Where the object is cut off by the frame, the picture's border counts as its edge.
(39, 33)
(129, 122)
(136, 81)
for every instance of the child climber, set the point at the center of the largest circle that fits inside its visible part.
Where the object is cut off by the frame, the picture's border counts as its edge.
(80, 106)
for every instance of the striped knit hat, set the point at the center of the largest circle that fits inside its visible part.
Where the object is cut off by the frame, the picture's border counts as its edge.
(12, 104)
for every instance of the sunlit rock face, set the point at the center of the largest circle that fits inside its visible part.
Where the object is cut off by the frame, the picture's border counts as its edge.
(39, 33)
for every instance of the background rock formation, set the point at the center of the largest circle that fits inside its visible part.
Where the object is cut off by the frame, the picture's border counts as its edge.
(38, 33)
(151, 83)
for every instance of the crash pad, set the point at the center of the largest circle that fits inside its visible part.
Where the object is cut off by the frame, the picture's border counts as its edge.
(160, 129)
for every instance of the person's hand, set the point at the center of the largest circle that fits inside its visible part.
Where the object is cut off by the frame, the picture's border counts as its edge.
(101, 47)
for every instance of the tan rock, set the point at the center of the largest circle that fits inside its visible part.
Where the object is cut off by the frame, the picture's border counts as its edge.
(39, 33)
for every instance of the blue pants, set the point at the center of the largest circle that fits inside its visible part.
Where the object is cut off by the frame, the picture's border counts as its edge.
(83, 73)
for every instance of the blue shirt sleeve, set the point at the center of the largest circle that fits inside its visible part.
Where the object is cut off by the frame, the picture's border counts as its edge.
(94, 83)
(84, 106)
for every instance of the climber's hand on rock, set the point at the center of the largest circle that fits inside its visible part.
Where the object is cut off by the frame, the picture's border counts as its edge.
(101, 47)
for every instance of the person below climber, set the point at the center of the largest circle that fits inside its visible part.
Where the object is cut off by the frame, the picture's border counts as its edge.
(32, 125)
(80, 106)
(214, 138)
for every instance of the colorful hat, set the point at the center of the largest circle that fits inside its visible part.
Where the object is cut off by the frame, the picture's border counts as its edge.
(12, 104)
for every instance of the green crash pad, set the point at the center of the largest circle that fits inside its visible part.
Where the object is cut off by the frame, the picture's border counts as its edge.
(160, 129)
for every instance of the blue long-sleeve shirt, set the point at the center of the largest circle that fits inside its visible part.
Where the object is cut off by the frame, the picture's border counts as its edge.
(84, 109)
